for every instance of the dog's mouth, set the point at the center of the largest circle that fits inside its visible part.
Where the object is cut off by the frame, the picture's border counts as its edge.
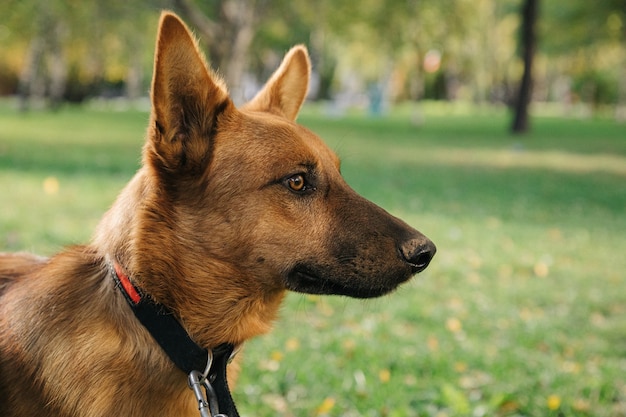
(304, 279)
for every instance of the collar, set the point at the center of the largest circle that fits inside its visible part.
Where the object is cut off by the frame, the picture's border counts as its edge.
(178, 345)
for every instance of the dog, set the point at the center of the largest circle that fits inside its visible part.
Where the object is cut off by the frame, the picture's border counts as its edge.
(231, 208)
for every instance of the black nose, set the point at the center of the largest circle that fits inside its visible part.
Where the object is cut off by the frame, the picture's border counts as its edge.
(418, 253)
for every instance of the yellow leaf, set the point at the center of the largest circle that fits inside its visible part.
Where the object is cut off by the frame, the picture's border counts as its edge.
(541, 269)
(325, 406)
(384, 375)
(292, 344)
(555, 234)
(349, 345)
(454, 325)
(571, 367)
(460, 366)
(554, 402)
(51, 185)
(433, 343)
(581, 404)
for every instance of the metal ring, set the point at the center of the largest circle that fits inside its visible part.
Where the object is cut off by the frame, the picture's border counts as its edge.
(235, 351)
(209, 363)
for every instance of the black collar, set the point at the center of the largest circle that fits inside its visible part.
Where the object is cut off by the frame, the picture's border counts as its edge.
(176, 343)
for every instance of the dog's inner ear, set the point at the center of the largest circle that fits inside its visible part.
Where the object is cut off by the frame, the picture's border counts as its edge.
(285, 91)
(187, 98)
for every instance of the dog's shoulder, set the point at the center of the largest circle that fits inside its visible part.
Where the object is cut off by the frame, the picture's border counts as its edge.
(14, 266)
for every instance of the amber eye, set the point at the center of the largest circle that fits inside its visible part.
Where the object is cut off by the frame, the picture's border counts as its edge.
(296, 183)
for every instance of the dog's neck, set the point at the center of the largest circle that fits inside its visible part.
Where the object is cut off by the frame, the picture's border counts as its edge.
(244, 314)
(204, 367)
(162, 325)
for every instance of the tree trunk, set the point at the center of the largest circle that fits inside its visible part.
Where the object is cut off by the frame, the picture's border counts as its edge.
(228, 38)
(528, 43)
(30, 81)
(46, 70)
(620, 108)
(242, 16)
(57, 65)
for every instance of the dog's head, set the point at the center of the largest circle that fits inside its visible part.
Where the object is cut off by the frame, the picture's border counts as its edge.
(237, 205)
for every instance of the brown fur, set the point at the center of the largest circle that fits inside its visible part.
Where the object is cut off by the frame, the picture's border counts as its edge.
(209, 227)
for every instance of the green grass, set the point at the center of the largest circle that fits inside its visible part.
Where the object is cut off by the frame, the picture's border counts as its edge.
(522, 312)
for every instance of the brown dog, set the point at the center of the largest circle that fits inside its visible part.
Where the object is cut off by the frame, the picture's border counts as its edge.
(231, 208)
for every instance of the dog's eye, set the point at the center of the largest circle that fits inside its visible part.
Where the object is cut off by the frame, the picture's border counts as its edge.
(296, 183)
(299, 184)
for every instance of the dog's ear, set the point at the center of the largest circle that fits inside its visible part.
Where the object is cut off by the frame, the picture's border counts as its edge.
(285, 91)
(187, 99)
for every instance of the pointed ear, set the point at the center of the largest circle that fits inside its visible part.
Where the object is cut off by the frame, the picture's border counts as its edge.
(285, 91)
(187, 99)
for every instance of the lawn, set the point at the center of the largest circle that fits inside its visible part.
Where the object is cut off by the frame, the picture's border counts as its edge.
(522, 312)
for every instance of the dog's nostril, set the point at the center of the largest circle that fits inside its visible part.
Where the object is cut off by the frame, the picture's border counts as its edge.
(418, 254)
(422, 259)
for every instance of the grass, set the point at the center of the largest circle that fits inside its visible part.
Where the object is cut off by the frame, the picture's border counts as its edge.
(522, 313)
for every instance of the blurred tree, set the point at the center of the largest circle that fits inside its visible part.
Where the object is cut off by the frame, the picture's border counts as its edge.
(71, 49)
(586, 43)
(528, 41)
(289, 22)
(45, 70)
(228, 28)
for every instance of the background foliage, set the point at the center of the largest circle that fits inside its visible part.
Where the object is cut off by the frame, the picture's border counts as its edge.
(87, 48)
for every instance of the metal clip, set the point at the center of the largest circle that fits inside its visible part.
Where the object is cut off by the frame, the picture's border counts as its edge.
(234, 353)
(207, 401)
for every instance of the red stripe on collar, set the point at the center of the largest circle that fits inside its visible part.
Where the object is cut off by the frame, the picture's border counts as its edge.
(128, 286)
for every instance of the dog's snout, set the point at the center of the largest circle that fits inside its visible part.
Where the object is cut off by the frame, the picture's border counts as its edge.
(418, 253)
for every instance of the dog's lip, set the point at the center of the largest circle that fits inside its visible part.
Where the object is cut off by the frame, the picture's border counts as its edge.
(303, 279)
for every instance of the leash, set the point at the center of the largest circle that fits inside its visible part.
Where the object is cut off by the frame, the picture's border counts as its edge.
(216, 400)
